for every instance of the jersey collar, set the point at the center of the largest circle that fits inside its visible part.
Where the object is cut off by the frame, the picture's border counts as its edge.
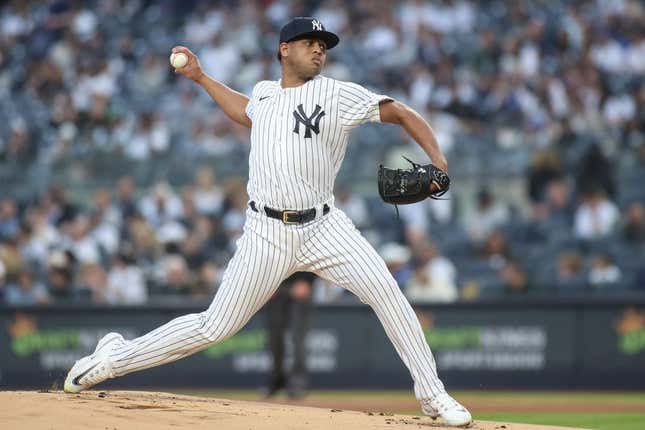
(279, 83)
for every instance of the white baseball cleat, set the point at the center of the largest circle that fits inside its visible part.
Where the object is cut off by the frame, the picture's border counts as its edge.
(429, 411)
(95, 368)
(451, 411)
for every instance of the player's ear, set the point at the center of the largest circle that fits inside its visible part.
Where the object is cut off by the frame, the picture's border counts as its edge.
(283, 49)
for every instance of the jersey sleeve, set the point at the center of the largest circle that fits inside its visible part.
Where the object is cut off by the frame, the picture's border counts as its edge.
(357, 105)
(250, 106)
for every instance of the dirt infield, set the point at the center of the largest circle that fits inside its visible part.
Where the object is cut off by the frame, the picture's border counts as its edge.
(119, 410)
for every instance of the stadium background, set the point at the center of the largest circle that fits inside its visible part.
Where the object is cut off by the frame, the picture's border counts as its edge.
(122, 186)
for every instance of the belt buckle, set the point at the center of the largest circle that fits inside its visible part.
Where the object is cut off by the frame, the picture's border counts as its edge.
(285, 216)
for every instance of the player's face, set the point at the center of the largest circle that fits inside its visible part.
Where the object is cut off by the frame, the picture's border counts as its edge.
(307, 56)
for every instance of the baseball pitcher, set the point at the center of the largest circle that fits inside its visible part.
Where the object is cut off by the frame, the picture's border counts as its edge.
(299, 131)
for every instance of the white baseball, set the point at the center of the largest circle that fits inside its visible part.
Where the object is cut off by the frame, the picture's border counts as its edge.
(178, 60)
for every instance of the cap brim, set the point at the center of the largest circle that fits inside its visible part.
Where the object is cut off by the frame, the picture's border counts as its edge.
(328, 37)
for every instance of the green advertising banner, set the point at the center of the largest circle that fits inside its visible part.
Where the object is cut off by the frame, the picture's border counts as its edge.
(506, 346)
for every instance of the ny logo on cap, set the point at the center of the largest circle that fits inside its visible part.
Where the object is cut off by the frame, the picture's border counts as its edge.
(316, 25)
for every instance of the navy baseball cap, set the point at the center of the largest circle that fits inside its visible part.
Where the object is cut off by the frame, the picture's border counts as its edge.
(303, 26)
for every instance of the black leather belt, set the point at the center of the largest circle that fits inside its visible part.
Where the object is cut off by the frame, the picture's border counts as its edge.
(291, 217)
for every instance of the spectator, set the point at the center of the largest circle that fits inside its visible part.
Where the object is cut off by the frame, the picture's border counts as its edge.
(596, 216)
(595, 173)
(105, 221)
(162, 206)
(174, 277)
(236, 204)
(208, 280)
(515, 279)
(209, 198)
(60, 278)
(26, 291)
(633, 229)
(151, 76)
(19, 148)
(570, 272)
(394, 157)
(96, 85)
(150, 138)
(415, 220)
(11, 257)
(397, 258)
(203, 242)
(125, 199)
(188, 208)
(488, 216)
(558, 206)
(125, 281)
(59, 209)
(353, 205)
(39, 237)
(106, 211)
(434, 278)
(9, 218)
(545, 168)
(604, 272)
(496, 249)
(220, 58)
(92, 282)
(143, 238)
(63, 146)
(79, 242)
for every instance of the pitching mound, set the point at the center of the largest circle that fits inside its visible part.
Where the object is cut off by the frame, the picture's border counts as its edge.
(28, 410)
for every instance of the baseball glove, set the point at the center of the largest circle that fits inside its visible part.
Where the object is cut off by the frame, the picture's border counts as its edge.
(401, 187)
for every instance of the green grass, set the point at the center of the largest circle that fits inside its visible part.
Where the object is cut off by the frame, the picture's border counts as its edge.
(636, 396)
(611, 396)
(596, 421)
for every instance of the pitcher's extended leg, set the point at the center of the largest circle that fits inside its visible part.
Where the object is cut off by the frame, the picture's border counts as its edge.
(342, 255)
(263, 259)
(254, 273)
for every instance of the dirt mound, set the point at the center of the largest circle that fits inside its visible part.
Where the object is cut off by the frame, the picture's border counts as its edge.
(116, 410)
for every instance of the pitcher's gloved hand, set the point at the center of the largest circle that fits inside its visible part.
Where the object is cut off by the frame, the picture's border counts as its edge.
(404, 186)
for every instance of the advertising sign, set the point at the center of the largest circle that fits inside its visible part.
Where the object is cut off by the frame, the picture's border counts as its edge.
(503, 346)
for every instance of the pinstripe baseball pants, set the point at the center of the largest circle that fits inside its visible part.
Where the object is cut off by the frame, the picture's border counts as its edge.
(268, 252)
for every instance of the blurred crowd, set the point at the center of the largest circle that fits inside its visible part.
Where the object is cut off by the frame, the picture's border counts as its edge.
(539, 106)
(124, 246)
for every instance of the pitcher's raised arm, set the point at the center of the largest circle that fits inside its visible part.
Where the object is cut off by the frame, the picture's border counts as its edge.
(230, 101)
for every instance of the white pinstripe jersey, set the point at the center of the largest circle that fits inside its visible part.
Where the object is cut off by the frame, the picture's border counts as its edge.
(299, 137)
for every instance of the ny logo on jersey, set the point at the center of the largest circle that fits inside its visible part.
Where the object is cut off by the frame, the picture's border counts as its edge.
(316, 25)
(301, 117)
